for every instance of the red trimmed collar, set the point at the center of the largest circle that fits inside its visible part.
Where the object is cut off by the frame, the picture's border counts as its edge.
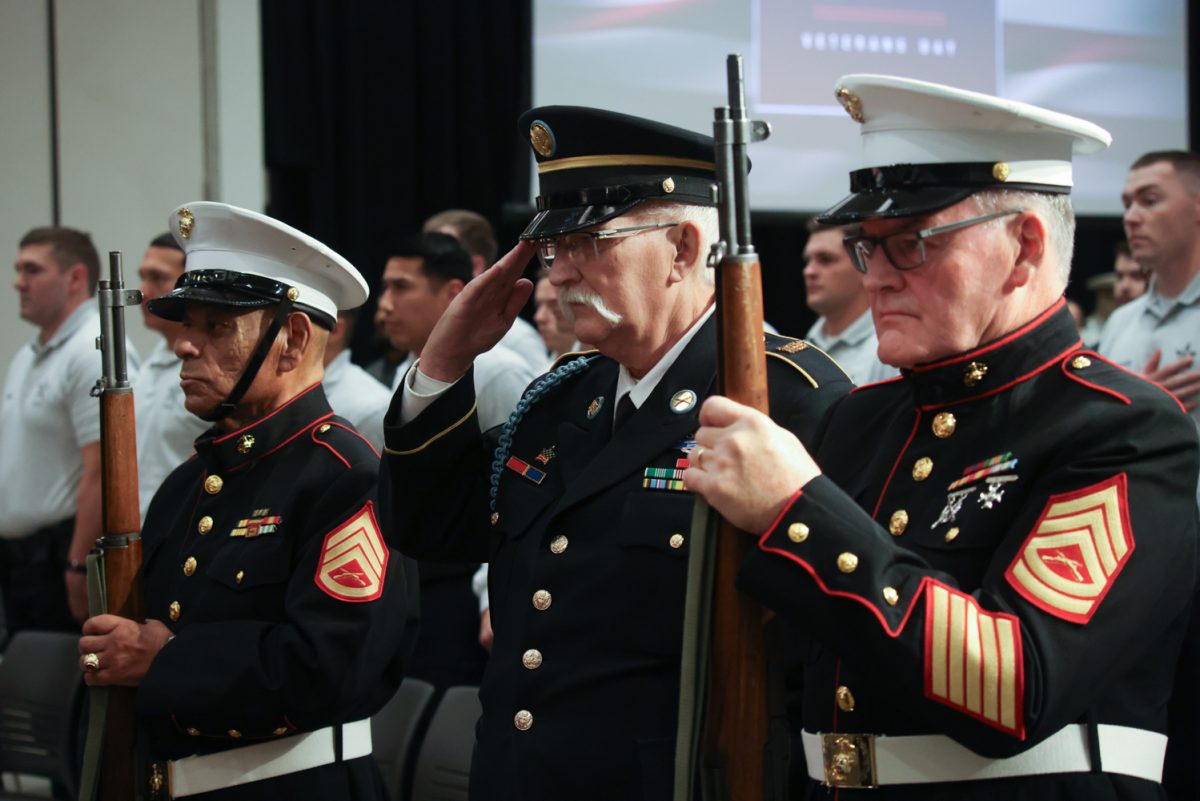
(995, 365)
(222, 452)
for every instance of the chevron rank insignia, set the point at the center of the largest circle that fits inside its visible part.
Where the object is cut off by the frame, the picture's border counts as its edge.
(973, 659)
(354, 559)
(1080, 543)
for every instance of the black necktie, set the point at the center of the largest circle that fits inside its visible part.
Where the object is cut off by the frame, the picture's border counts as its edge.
(625, 410)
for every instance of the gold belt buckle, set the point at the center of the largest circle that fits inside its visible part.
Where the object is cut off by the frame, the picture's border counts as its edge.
(849, 760)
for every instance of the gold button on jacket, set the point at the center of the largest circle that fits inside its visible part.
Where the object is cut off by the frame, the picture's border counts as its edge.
(845, 699)
(944, 424)
(922, 468)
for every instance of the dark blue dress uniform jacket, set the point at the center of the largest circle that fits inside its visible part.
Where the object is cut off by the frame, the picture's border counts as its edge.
(588, 567)
(935, 585)
(233, 542)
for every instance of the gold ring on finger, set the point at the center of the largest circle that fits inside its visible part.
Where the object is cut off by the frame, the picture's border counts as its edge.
(91, 662)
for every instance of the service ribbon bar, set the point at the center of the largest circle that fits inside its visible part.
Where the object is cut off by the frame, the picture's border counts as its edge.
(525, 469)
(985, 468)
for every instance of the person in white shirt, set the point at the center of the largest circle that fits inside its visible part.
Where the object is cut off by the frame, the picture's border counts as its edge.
(165, 429)
(834, 290)
(352, 392)
(476, 235)
(50, 430)
(1158, 334)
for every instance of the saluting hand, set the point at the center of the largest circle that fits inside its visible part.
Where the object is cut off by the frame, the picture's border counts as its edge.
(123, 649)
(745, 465)
(478, 316)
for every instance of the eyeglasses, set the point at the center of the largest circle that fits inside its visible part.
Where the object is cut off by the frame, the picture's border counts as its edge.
(906, 250)
(579, 246)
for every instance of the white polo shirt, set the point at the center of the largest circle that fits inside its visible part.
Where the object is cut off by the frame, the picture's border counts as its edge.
(525, 341)
(165, 429)
(355, 394)
(47, 415)
(1134, 331)
(856, 350)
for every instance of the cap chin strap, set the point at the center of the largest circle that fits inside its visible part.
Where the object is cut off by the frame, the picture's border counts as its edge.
(227, 406)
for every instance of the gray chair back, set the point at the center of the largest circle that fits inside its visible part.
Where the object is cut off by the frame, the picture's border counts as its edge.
(394, 731)
(40, 696)
(444, 762)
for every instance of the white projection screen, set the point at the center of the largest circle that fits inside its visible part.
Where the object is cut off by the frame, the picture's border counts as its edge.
(1119, 63)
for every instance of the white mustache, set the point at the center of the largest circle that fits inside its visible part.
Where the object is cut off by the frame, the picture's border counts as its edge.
(585, 297)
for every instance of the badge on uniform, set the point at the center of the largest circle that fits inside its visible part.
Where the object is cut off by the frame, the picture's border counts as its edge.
(954, 502)
(683, 401)
(259, 523)
(985, 471)
(525, 469)
(665, 478)
(353, 561)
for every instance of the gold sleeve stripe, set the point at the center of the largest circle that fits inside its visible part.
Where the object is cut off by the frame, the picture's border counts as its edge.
(973, 659)
(435, 437)
(1077, 548)
(990, 675)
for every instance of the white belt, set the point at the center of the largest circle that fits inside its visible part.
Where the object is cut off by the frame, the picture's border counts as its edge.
(252, 763)
(868, 760)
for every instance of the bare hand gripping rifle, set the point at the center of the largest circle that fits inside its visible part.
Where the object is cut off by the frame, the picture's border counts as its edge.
(724, 650)
(111, 770)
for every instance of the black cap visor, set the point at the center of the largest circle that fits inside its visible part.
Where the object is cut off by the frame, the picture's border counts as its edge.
(575, 209)
(226, 288)
(554, 222)
(171, 305)
(912, 190)
(898, 202)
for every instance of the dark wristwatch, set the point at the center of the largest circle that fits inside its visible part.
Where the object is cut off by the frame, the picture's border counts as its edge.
(77, 567)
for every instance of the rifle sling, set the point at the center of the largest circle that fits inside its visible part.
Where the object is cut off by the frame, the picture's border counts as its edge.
(89, 779)
(697, 633)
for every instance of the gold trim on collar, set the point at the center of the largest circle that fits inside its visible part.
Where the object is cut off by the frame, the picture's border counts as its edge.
(795, 367)
(622, 160)
(571, 354)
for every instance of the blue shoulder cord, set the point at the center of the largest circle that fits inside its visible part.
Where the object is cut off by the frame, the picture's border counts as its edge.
(540, 387)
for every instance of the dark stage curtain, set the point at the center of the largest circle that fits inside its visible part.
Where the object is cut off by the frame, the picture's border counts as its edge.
(378, 114)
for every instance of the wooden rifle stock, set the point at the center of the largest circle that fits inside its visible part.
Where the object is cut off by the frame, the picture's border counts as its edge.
(736, 719)
(121, 544)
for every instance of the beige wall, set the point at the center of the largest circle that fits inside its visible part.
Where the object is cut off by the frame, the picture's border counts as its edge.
(136, 137)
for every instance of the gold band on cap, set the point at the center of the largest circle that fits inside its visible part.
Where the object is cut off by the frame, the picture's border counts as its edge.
(622, 160)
